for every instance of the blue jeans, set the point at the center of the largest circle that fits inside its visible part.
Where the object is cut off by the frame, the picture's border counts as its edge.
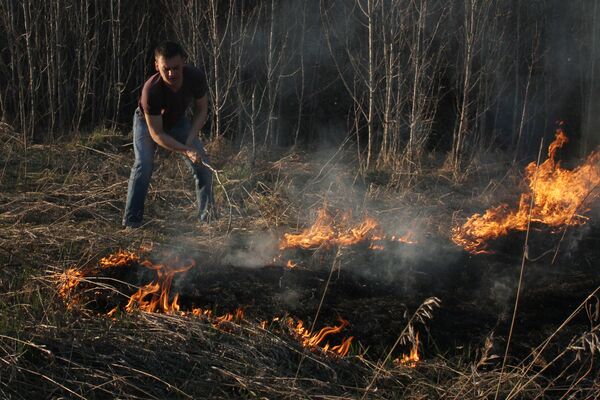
(141, 172)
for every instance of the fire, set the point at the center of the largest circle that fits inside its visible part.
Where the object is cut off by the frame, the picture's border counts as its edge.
(119, 259)
(290, 264)
(199, 312)
(412, 358)
(220, 322)
(321, 233)
(558, 200)
(159, 290)
(325, 232)
(68, 281)
(236, 316)
(407, 238)
(152, 297)
(313, 341)
(71, 278)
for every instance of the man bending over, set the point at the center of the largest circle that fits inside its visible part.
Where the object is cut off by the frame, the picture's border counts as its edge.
(160, 119)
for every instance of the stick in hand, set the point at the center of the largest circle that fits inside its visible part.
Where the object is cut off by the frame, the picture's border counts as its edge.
(194, 156)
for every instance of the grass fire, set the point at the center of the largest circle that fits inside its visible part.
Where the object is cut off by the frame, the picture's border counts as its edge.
(349, 294)
(328, 232)
(344, 199)
(555, 197)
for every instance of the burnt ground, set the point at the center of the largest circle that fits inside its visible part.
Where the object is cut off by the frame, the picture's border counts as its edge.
(373, 291)
(376, 291)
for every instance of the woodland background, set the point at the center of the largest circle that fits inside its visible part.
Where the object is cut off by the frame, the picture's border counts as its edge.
(394, 78)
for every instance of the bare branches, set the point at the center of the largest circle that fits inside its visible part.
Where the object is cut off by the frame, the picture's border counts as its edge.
(399, 77)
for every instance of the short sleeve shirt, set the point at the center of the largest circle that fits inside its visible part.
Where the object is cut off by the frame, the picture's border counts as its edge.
(158, 99)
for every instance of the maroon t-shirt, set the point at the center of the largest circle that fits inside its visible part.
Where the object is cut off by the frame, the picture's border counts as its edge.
(157, 98)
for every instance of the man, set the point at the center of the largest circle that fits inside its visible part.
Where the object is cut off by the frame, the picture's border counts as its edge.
(160, 119)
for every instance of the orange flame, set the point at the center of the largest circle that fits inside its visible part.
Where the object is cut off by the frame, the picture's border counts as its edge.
(153, 297)
(72, 277)
(310, 340)
(412, 358)
(236, 316)
(558, 199)
(220, 322)
(320, 233)
(407, 238)
(68, 281)
(325, 232)
(199, 312)
(119, 259)
(159, 290)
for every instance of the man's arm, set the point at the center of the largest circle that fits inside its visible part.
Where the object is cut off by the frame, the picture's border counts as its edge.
(155, 127)
(200, 116)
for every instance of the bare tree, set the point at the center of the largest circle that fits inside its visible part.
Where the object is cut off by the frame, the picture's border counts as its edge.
(71, 65)
(426, 51)
(591, 121)
(479, 58)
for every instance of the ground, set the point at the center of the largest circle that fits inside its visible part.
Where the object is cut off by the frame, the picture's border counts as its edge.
(61, 206)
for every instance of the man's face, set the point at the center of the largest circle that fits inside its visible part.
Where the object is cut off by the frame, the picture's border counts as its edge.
(170, 70)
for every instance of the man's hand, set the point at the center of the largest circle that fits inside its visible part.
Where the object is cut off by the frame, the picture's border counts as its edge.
(194, 156)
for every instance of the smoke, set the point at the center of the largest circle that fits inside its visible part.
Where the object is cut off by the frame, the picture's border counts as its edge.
(502, 291)
(252, 251)
(291, 298)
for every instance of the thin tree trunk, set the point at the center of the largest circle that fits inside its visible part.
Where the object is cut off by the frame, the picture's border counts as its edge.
(216, 55)
(517, 78)
(30, 125)
(415, 117)
(50, 68)
(462, 127)
(270, 74)
(117, 86)
(524, 111)
(587, 130)
(371, 82)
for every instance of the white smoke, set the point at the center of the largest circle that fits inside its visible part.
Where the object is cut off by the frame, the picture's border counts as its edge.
(253, 251)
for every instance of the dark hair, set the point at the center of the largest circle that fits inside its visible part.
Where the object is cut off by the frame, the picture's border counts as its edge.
(169, 49)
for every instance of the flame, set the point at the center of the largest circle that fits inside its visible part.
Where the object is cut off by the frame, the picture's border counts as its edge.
(199, 312)
(412, 358)
(112, 312)
(290, 264)
(72, 277)
(558, 196)
(157, 297)
(119, 260)
(236, 316)
(320, 233)
(68, 281)
(312, 341)
(159, 290)
(407, 238)
(153, 297)
(220, 322)
(325, 232)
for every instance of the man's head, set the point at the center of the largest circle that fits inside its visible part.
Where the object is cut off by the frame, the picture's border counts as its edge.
(169, 58)
(169, 50)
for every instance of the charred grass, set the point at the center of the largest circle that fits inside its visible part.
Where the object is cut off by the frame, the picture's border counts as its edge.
(61, 205)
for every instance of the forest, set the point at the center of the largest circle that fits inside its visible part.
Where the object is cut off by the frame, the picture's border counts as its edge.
(406, 202)
(400, 78)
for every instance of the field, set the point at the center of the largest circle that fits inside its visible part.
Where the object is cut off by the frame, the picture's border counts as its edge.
(60, 208)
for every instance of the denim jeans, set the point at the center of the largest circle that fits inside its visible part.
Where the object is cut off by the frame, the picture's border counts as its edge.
(141, 172)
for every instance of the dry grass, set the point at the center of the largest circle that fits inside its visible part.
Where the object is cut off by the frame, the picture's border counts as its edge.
(61, 205)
